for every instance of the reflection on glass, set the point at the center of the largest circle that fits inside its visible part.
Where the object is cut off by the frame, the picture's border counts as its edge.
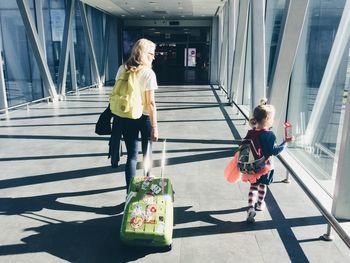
(319, 32)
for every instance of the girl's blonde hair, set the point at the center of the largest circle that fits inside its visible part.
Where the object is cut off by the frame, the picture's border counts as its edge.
(139, 53)
(262, 113)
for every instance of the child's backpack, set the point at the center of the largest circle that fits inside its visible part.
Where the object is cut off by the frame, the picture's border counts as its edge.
(251, 159)
(125, 100)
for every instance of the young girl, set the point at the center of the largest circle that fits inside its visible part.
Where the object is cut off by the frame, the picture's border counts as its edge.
(261, 122)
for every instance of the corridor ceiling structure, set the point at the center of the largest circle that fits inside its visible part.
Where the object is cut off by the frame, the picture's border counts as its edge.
(158, 9)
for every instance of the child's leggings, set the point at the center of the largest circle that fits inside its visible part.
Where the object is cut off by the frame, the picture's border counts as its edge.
(257, 193)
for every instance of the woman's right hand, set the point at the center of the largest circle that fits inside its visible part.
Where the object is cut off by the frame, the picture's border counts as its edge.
(154, 134)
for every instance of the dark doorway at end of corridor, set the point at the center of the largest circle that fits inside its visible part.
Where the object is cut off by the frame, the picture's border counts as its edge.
(182, 53)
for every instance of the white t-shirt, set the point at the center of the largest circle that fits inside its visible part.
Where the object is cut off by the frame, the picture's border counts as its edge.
(147, 80)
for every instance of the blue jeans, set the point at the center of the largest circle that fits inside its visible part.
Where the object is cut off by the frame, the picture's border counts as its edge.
(130, 132)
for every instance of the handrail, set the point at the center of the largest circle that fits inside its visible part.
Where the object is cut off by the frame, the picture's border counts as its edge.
(24, 104)
(332, 221)
(322, 148)
(42, 99)
(83, 88)
(239, 109)
(329, 217)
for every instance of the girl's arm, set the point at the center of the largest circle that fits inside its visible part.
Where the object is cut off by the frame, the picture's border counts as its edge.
(270, 146)
(277, 149)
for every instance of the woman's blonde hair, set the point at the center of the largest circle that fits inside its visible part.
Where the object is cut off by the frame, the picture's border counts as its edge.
(138, 54)
(262, 113)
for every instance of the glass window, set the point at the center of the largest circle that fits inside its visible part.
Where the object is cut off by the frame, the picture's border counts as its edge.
(57, 4)
(316, 42)
(22, 78)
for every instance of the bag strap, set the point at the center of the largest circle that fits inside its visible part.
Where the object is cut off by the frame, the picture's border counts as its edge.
(250, 142)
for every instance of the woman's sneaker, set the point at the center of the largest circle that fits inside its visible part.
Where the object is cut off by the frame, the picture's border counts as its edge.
(250, 215)
(260, 206)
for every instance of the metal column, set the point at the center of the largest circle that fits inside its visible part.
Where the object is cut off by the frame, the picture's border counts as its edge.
(214, 65)
(287, 49)
(3, 97)
(40, 23)
(66, 43)
(224, 45)
(38, 51)
(258, 65)
(90, 46)
(105, 49)
(232, 30)
(73, 72)
(241, 40)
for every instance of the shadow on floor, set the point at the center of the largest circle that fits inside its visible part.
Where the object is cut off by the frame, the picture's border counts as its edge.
(22, 205)
(97, 240)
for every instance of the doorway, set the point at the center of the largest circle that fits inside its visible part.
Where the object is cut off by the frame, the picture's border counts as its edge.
(182, 54)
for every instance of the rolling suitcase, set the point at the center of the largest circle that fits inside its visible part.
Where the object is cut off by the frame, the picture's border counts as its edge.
(148, 214)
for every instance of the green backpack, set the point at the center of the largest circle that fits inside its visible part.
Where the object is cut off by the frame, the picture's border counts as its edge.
(125, 100)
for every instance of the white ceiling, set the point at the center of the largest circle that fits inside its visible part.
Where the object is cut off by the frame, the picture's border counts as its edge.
(158, 9)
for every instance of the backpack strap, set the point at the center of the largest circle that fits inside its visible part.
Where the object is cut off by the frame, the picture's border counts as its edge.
(252, 138)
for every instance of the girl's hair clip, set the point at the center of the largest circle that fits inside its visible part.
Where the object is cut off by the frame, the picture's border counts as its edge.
(263, 101)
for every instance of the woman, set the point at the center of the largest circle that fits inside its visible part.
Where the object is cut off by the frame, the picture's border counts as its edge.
(140, 61)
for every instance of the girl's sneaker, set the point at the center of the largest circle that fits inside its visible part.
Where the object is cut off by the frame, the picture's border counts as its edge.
(250, 215)
(260, 206)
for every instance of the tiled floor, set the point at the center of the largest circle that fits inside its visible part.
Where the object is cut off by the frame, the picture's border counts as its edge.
(60, 201)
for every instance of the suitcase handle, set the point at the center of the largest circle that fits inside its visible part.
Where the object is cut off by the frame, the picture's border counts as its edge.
(163, 165)
(147, 165)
